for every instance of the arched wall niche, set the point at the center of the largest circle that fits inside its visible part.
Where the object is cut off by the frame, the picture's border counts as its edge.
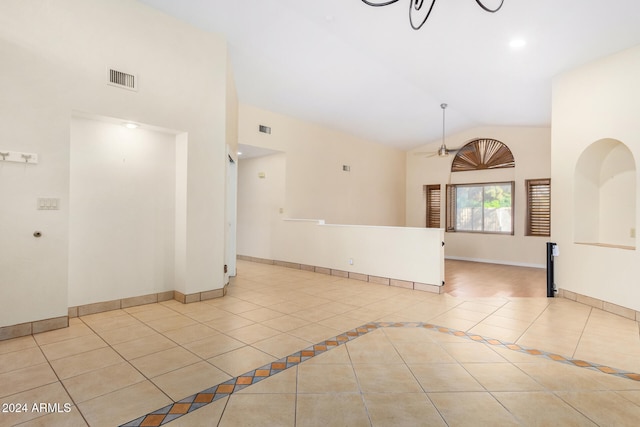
(605, 195)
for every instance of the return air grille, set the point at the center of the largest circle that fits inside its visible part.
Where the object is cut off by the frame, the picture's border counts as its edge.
(122, 79)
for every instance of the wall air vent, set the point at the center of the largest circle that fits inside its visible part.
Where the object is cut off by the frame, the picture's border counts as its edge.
(121, 79)
(265, 129)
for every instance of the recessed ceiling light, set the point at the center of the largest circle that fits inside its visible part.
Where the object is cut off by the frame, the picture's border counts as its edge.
(239, 153)
(130, 125)
(517, 43)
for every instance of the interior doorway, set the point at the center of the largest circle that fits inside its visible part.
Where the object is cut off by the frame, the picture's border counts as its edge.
(478, 279)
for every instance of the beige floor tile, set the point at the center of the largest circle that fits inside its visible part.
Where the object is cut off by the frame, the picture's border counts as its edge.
(190, 333)
(21, 359)
(102, 381)
(207, 416)
(229, 323)
(471, 352)
(603, 407)
(472, 409)
(541, 409)
(313, 314)
(189, 380)
(110, 320)
(85, 362)
(123, 405)
(284, 382)
(237, 306)
(289, 307)
(172, 322)
(74, 330)
(281, 345)
(261, 314)
(444, 377)
(62, 419)
(632, 395)
(341, 323)
(337, 307)
(259, 410)
(453, 322)
(561, 342)
(240, 361)
(472, 315)
(285, 323)
(408, 409)
(345, 409)
(559, 376)
(164, 361)
(506, 322)
(409, 334)
(146, 313)
(213, 346)
(25, 379)
(52, 393)
(126, 334)
(386, 379)
(207, 313)
(496, 332)
(422, 352)
(373, 348)
(252, 333)
(17, 344)
(143, 346)
(314, 332)
(72, 346)
(501, 377)
(326, 379)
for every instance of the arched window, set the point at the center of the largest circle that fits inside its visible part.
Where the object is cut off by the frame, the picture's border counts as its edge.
(482, 154)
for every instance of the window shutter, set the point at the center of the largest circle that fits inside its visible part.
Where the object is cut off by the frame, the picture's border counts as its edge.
(433, 205)
(538, 207)
(451, 208)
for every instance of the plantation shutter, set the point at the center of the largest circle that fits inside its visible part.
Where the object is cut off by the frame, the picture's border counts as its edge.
(433, 205)
(538, 207)
(451, 208)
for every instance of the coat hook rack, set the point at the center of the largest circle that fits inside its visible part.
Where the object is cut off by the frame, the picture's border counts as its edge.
(15, 156)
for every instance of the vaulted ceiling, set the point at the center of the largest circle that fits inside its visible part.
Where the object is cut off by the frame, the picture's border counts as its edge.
(363, 70)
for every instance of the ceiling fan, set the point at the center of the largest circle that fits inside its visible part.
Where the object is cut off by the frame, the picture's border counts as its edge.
(443, 151)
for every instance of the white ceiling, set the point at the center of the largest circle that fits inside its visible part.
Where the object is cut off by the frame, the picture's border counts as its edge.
(363, 70)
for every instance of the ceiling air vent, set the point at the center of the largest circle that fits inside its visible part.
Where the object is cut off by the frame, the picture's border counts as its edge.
(122, 79)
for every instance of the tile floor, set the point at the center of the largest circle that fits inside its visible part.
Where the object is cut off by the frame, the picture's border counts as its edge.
(370, 356)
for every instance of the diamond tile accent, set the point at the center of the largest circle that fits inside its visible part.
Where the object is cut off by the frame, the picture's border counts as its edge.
(189, 404)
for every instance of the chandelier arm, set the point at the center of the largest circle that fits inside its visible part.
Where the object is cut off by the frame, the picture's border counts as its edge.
(413, 11)
(386, 3)
(488, 9)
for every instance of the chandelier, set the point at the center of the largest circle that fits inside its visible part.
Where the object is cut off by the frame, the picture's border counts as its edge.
(419, 10)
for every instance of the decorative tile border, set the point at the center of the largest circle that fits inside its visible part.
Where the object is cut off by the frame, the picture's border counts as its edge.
(189, 404)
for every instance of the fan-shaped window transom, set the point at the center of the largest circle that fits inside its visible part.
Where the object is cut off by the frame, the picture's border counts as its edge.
(483, 154)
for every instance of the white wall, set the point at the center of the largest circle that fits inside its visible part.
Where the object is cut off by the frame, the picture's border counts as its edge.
(598, 101)
(402, 253)
(372, 193)
(54, 60)
(259, 203)
(121, 202)
(531, 151)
